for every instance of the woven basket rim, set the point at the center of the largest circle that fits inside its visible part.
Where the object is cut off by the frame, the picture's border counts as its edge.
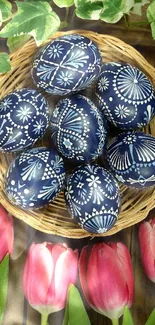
(135, 204)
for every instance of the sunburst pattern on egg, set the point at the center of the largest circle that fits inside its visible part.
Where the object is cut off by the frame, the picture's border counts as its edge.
(93, 198)
(24, 118)
(126, 95)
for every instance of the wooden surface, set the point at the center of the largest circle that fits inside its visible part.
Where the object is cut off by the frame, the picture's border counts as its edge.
(18, 312)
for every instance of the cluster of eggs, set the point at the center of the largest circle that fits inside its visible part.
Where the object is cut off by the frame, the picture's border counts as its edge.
(79, 131)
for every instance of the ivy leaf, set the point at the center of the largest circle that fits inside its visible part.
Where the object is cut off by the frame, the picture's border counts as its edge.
(75, 312)
(33, 18)
(16, 42)
(88, 9)
(151, 319)
(137, 8)
(151, 17)
(4, 272)
(115, 9)
(64, 3)
(5, 10)
(5, 64)
(127, 318)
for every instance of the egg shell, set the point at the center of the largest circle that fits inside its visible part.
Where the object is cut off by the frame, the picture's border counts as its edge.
(79, 131)
(35, 178)
(131, 158)
(24, 118)
(93, 198)
(125, 95)
(67, 64)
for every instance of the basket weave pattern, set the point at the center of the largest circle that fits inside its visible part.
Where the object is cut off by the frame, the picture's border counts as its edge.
(54, 218)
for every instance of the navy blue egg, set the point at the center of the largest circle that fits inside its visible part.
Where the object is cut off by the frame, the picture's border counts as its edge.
(131, 158)
(24, 118)
(125, 95)
(35, 178)
(67, 64)
(79, 130)
(93, 198)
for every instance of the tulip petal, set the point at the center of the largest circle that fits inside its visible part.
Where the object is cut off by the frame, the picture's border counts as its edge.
(56, 250)
(147, 248)
(125, 259)
(65, 273)
(37, 275)
(6, 233)
(83, 262)
(106, 282)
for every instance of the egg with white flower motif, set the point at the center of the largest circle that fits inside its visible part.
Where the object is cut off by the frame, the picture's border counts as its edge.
(79, 129)
(93, 198)
(24, 118)
(126, 95)
(35, 178)
(131, 158)
(67, 64)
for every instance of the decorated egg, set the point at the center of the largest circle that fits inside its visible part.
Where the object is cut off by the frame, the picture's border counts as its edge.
(35, 178)
(79, 129)
(93, 198)
(24, 118)
(125, 95)
(67, 64)
(131, 158)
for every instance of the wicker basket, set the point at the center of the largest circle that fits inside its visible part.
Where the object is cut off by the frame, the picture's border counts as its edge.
(54, 218)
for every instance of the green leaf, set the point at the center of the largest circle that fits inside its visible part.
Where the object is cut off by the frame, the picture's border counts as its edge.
(115, 9)
(151, 17)
(16, 42)
(64, 3)
(4, 272)
(88, 9)
(5, 10)
(33, 18)
(127, 318)
(151, 319)
(137, 8)
(5, 64)
(75, 313)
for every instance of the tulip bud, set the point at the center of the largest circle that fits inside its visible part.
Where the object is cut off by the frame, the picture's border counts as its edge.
(147, 247)
(106, 278)
(6, 233)
(48, 271)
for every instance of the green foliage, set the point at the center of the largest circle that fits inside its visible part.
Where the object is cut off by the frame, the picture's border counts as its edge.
(16, 42)
(88, 9)
(137, 8)
(127, 318)
(64, 3)
(5, 10)
(151, 17)
(75, 313)
(34, 18)
(5, 64)
(4, 271)
(115, 9)
(151, 319)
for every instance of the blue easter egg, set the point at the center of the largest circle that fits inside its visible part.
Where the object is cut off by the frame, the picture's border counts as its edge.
(67, 64)
(131, 158)
(24, 118)
(125, 95)
(79, 130)
(93, 198)
(35, 178)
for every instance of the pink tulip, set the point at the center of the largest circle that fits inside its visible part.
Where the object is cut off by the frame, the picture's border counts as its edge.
(147, 247)
(106, 278)
(48, 271)
(6, 233)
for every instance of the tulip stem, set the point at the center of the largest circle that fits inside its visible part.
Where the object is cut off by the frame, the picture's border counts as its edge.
(44, 318)
(115, 321)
